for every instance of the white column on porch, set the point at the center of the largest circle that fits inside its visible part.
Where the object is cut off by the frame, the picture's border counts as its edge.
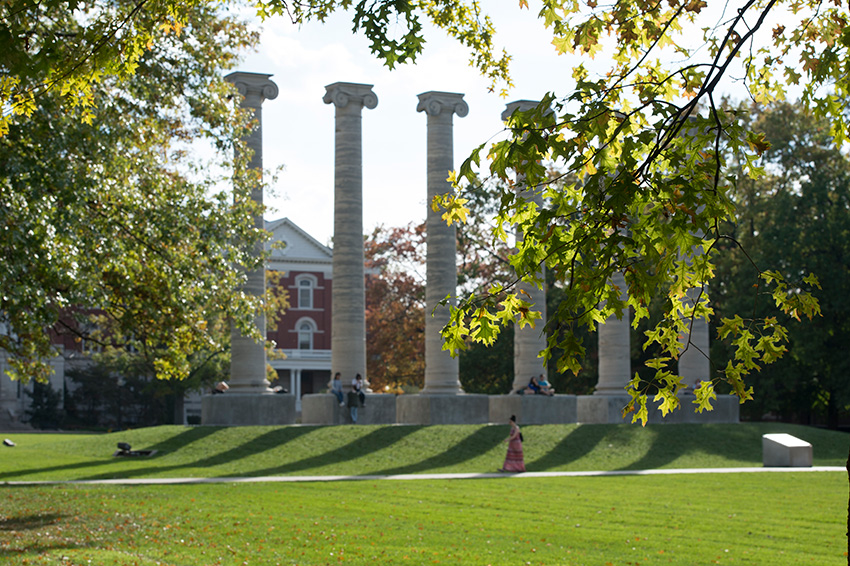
(295, 387)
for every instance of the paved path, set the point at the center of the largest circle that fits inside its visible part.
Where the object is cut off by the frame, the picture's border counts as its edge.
(404, 477)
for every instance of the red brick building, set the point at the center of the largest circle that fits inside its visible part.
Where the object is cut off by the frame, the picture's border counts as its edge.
(303, 333)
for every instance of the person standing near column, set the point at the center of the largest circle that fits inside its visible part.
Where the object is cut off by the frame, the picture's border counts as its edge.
(357, 387)
(348, 299)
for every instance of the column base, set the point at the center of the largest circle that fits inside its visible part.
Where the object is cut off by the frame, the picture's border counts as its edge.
(443, 409)
(534, 409)
(726, 409)
(600, 409)
(324, 409)
(442, 390)
(234, 409)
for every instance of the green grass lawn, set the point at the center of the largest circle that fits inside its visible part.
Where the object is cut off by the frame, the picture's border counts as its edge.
(757, 518)
(364, 450)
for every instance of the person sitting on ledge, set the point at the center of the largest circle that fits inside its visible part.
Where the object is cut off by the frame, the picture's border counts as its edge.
(336, 389)
(532, 388)
(545, 387)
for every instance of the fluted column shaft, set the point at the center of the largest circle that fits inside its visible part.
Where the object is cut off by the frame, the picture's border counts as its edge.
(441, 369)
(528, 341)
(615, 363)
(694, 363)
(248, 357)
(348, 299)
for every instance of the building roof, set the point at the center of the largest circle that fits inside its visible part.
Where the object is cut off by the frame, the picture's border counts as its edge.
(297, 245)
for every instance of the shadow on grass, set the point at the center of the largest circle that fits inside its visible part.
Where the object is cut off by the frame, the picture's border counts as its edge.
(30, 551)
(726, 441)
(476, 444)
(182, 440)
(380, 438)
(16, 551)
(29, 522)
(178, 441)
(270, 440)
(575, 446)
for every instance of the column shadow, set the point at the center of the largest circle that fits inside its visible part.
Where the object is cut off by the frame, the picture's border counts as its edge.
(383, 437)
(674, 441)
(476, 444)
(12, 555)
(272, 439)
(175, 442)
(577, 444)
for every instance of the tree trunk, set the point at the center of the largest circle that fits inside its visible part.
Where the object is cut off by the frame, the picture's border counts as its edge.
(848, 510)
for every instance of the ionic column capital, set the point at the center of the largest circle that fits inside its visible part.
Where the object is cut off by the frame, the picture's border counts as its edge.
(518, 106)
(343, 94)
(254, 87)
(435, 103)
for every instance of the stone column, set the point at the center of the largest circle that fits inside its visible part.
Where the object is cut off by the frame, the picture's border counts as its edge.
(11, 410)
(441, 370)
(296, 390)
(615, 349)
(528, 341)
(348, 299)
(694, 363)
(248, 357)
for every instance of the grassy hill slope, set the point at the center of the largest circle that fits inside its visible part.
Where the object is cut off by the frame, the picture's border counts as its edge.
(366, 450)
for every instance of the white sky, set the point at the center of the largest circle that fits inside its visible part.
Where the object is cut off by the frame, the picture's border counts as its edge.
(298, 128)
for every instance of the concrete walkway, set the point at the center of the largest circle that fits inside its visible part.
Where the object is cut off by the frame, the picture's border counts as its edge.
(404, 477)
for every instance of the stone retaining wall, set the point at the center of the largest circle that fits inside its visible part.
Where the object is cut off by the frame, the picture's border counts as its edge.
(234, 409)
(323, 409)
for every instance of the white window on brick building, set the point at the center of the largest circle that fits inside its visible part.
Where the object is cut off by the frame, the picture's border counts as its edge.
(306, 328)
(305, 285)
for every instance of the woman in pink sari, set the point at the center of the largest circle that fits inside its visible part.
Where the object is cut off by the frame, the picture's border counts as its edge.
(514, 461)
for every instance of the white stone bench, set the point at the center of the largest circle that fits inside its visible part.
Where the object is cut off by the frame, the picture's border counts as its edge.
(784, 450)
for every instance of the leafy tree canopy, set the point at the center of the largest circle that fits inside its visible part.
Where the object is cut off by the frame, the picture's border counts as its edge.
(395, 306)
(795, 218)
(642, 143)
(104, 211)
(69, 46)
(644, 148)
